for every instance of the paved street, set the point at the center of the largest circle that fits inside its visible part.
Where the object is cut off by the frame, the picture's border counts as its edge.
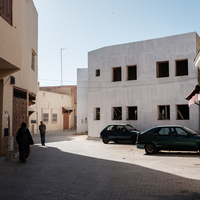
(73, 167)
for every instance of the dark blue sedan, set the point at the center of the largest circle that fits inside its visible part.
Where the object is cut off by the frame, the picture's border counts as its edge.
(116, 132)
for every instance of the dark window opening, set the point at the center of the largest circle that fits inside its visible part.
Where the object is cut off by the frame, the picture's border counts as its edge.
(98, 72)
(97, 113)
(117, 113)
(132, 113)
(162, 69)
(181, 67)
(117, 74)
(6, 10)
(164, 112)
(183, 112)
(132, 72)
(20, 94)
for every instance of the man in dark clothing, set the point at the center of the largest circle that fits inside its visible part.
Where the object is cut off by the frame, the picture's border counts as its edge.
(24, 140)
(42, 128)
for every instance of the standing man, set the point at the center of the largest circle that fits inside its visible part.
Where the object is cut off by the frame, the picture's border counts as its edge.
(42, 128)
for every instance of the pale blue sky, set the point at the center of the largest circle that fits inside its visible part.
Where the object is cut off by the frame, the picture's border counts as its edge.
(81, 26)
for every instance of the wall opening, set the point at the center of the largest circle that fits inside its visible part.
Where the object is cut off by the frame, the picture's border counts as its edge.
(132, 113)
(54, 117)
(117, 113)
(98, 72)
(163, 112)
(97, 114)
(131, 73)
(117, 74)
(181, 67)
(162, 69)
(183, 112)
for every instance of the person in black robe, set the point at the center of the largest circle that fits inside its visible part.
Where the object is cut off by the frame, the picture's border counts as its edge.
(24, 140)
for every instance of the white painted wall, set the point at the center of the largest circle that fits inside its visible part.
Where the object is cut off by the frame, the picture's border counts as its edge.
(82, 100)
(147, 92)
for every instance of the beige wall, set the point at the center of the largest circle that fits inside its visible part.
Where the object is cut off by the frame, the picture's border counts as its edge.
(69, 90)
(18, 41)
(49, 102)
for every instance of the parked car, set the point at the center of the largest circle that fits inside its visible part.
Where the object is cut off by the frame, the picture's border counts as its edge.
(116, 132)
(173, 138)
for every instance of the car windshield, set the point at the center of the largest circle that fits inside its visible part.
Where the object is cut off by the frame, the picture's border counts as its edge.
(130, 128)
(190, 131)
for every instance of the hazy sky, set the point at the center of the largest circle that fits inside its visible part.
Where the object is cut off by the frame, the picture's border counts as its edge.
(81, 26)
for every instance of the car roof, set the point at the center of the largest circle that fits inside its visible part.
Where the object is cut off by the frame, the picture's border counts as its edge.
(117, 124)
(168, 126)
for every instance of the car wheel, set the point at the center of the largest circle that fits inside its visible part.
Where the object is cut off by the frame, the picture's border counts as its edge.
(105, 139)
(150, 148)
(133, 140)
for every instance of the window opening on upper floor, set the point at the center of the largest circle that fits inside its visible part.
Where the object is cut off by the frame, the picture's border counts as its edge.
(6, 10)
(181, 67)
(98, 72)
(116, 74)
(131, 73)
(162, 69)
(97, 114)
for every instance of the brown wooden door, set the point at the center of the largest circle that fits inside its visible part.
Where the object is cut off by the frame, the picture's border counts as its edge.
(65, 120)
(19, 115)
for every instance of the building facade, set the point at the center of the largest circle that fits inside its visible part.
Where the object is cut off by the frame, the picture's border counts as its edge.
(18, 68)
(70, 90)
(53, 109)
(142, 83)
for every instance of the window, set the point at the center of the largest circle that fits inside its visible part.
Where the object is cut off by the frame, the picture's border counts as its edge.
(111, 128)
(6, 10)
(163, 112)
(117, 113)
(181, 67)
(98, 72)
(131, 73)
(121, 128)
(162, 131)
(54, 118)
(132, 113)
(97, 114)
(85, 120)
(116, 74)
(33, 62)
(45, 117)
(183, 112)
(162, 69)
(180, 131)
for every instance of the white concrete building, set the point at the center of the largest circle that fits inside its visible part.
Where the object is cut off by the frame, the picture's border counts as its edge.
(142, 83)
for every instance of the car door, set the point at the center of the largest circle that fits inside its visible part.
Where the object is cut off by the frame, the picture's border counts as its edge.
(122, 133)
(182, 140)
(162, 138)
(111, 132)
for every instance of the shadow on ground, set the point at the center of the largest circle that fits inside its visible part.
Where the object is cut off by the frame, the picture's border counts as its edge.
(52, 174)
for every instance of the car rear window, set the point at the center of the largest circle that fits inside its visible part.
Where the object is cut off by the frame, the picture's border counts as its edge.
(162, 131)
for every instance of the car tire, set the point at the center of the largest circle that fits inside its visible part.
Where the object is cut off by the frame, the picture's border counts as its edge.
(150, 148)
(133, 140)
(105, 139)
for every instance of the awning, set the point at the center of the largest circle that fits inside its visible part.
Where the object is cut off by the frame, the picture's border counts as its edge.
(30, 111)
(67, 109)
(194, 96)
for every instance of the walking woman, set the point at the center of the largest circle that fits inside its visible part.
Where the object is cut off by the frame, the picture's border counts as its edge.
(24, 140)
